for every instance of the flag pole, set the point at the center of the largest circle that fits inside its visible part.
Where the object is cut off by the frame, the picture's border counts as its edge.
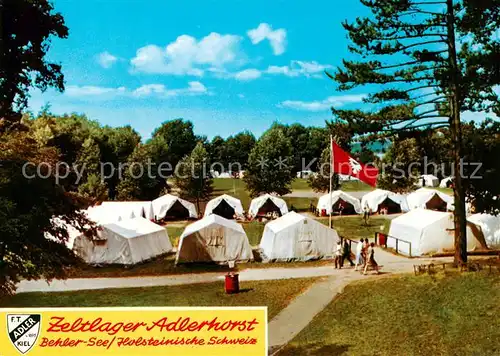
(331, 181)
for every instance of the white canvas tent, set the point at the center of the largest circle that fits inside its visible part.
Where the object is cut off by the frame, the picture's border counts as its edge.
(297, 237)
(267, 203)
(490, 228)
(170, 205)
(428, 232)
(225, 206)
(124, 242)
(428, 180)
(446, 182)
(129, 209)
(429, 199)
(214, 239)
(351, 204)
(379, 199)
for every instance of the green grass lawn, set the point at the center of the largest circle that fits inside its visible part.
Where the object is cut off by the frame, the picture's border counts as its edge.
(300, 184)
(354, 228)
(276, 295)
(355, 186)
(441, 315)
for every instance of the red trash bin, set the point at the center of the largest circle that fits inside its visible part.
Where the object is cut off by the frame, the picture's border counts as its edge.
(382, 239)
(232, 284)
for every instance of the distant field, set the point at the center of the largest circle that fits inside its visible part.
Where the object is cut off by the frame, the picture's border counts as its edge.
(354, 228)
(276, 296)
(408, 315)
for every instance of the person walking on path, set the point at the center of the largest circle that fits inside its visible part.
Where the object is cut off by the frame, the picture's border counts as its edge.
(371, 259)
(359, 255)
(346, 255)
(338, 255)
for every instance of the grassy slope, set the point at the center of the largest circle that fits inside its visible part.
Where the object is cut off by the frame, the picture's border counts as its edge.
(447, 315)
(275, 296)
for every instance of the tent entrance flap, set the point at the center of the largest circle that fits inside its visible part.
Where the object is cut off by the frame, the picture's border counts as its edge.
(225, 210)
(268, 207)
(342, 206)
(391, 206)
(177, 211)
(436, 203)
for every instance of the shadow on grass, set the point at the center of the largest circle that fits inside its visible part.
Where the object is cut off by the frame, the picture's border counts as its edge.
(245, 290)
(314, 350)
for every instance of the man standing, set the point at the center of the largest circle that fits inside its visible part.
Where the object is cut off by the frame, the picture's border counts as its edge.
(338, 255)
(346, 255)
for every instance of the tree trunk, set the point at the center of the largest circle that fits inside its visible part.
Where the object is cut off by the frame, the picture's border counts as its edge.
(460, 219)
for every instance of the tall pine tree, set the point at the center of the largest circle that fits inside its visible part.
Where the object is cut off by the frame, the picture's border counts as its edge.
(429, 60)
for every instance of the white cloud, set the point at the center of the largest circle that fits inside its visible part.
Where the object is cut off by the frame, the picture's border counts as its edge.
(322, 104)
(300, 68)
(106, 59)
(158, 90)
(248, 74)
(241, 96)
(194, 88)
(277, 38)
(187, 55)
(90, 90)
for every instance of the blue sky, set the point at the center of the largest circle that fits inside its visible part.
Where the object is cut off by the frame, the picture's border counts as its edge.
(225, 65)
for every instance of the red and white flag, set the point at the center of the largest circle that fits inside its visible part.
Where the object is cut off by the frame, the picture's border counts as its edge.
(343, 163)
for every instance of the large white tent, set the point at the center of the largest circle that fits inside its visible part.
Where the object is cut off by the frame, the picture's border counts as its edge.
(129, 209)
(428, 180)
(267, 203)
(171, 206)
(490, 228)
(339, 198)
(383, 199)
(295, 236)
(430, 199)
(429, 232)
(124, 242)
(225, 206)
(214, 239)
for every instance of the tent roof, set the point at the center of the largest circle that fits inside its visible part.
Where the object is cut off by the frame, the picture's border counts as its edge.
(288, 220)
(377, 196)
(162, 204)
(232, 201)
(129, 209)
(258, 202)
(131, 228)
(210, 220)
(323, 201)
(420, 197)
(420, 218)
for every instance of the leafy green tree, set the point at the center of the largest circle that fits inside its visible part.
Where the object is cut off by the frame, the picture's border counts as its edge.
(400, 170)
(94, 189)
(29, 199)
(270, 164)
(217, 153)
(27, 29)
(238, 148)
(179, 138)
(140, 179)
(192, 176)
(91, 184)
(425, 79)
(116, 146)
